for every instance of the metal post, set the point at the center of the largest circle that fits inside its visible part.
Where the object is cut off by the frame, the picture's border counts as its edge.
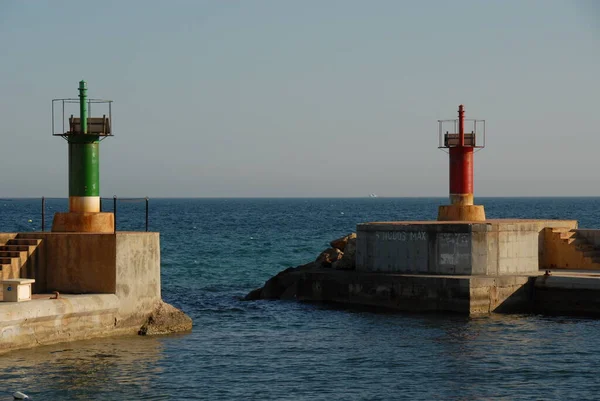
(147, 200)
(43, 213)
(115, 210)
(83, 111)
(461, 125)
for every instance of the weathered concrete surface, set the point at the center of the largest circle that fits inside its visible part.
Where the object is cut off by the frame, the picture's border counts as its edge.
(562, 292)
(79, 317)
(461, 213)
(137, 272)
(83, 222)
(568, 292)
(69, 318)
(493, 247)
(76, 263)
(125, 263)
(468, 295)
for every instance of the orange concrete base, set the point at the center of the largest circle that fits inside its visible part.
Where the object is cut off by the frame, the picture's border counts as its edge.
(461, 199)
(461, 213)
(84, 223)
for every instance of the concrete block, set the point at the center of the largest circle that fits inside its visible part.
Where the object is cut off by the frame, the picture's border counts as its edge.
(495, 247)
(17, 289)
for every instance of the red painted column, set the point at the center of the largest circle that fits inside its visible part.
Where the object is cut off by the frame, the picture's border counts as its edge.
(461, 167)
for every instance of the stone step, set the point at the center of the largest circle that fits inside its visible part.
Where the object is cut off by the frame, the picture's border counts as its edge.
(13, 254)
(23, 241)
(23, 248)
(568, 234)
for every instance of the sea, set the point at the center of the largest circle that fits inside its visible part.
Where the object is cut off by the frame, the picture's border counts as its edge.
(214, 251)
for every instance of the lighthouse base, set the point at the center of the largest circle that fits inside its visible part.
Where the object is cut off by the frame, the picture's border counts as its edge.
(461, 213)
(71, 222)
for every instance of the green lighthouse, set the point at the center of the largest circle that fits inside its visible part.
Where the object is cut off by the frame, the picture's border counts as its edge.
(83, 136)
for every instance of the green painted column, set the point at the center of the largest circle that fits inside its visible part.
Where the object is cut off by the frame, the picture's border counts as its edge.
(84, 163)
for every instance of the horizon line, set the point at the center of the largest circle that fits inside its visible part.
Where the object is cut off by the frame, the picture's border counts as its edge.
(299, 197)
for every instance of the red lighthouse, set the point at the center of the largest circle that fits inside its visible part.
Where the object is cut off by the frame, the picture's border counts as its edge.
(461, 147)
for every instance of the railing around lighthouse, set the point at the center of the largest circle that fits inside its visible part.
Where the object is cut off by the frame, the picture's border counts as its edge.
(115, 201)
(448, 135)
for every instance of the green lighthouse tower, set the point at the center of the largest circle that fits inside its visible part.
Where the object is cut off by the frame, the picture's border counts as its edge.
(83, 136)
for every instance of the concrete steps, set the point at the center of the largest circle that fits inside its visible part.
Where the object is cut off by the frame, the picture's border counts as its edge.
(18, 248)
(572, 251)
(14, 254)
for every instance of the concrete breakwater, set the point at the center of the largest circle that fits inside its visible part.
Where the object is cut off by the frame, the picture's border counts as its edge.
(470, 268)
(103, 285)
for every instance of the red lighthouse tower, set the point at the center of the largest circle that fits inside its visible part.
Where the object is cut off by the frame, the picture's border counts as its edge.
(461, 147)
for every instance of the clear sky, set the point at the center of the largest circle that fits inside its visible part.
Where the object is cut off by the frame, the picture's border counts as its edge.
(309, 98)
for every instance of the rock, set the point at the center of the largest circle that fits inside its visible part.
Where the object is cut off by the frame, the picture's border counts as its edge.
(340, 243)
(327, 257)
(277, 285)
(286, 284)
(281, 286)
(254, 295)
(290, 293)
(348, 260)
(165, 319)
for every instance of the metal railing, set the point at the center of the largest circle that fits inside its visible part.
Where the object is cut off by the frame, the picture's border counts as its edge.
(115, 200)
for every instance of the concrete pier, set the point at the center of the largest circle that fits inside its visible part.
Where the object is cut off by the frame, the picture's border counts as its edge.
(107, 284)
(469, 268)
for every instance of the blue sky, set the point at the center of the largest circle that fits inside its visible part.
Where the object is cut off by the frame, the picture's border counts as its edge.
(304, 98)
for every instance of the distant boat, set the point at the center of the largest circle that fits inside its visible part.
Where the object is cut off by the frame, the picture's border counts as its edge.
(372, 195)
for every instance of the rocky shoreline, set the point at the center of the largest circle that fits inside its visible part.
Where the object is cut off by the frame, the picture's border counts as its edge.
(341, 255)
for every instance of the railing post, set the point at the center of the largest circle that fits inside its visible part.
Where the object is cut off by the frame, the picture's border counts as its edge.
(115, 210)
(147, 200)
(43, 213)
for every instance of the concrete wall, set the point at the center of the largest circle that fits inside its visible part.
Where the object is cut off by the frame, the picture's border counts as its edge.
(519, 244)
(414, 248)
(137, 271)
(567, 295)
(76, 263)
(126, 264)
(494, 247)
(72, 317)
(472, 296)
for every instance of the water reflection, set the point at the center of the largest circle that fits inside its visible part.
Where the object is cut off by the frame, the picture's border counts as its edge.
(81, 369)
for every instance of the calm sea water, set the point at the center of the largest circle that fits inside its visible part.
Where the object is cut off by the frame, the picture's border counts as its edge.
(216, 250)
